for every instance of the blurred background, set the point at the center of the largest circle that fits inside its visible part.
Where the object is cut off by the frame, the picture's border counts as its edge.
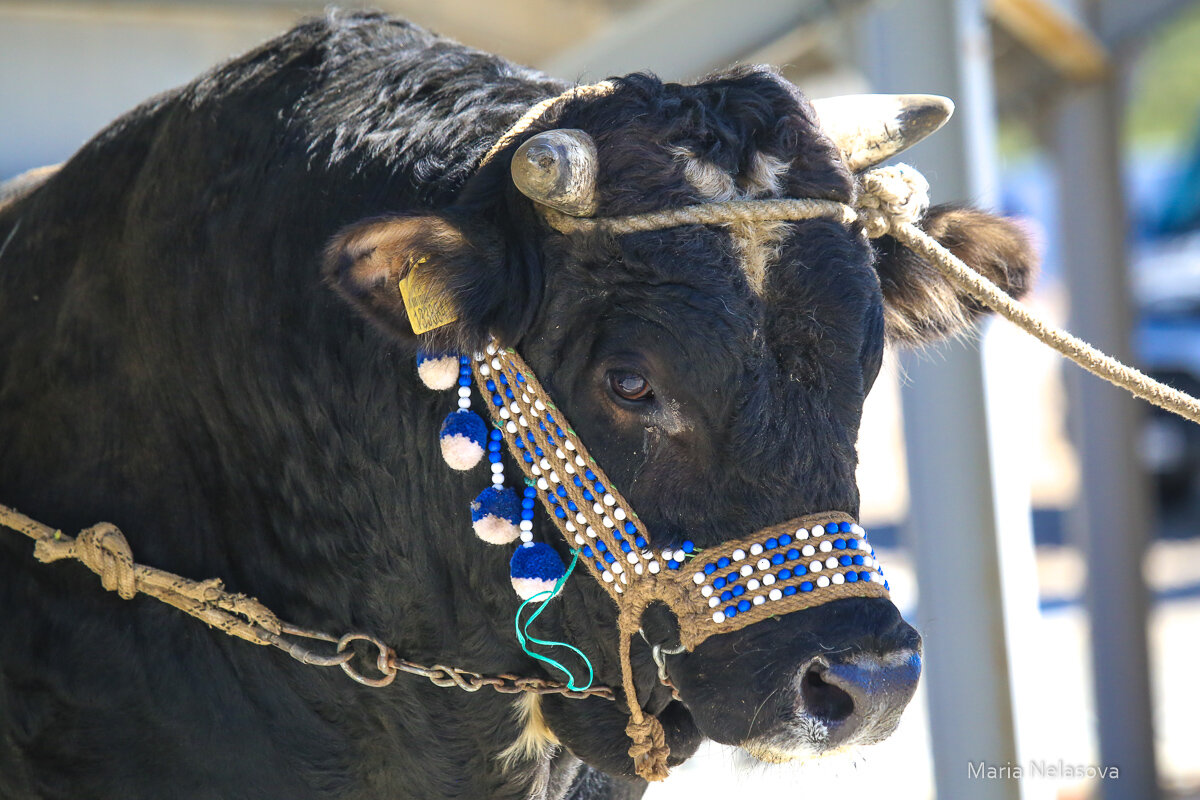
(1042, 529)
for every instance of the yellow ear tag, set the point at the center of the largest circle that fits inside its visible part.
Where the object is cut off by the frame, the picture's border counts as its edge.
(428, 306)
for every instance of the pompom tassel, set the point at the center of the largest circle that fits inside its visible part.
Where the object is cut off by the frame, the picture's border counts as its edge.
(496, 515)
(438, 371)
(535, 568)
(463, 439)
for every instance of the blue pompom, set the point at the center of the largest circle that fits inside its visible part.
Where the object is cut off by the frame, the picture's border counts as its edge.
(535, 567)
(463, 438)
(496, 515)
(437, 370)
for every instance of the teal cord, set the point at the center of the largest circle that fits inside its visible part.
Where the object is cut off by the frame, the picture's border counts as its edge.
(525, 635)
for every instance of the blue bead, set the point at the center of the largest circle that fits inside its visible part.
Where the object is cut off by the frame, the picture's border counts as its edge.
(844, 527)
(561, 491)
(806, 586)
(851, 577)
(539, 452)
(527, 502)
(789, 590)
(491, 386)
(528, 458)
(503, 378)
(464, 381)
(508, 393)
(587, 551)
(591, 476)
(886, 587)
(785, 540)
(630, 528)
(558, 512)
(599, 565)
(793, 554)
(739, 590)
(599, 487)
(718, 583)
(551, 499)
(777, 559)
(493, 447)
(672, 564)
(723, 562)
(845, 561)
(771, 543)
(731, 612)
(726, 595)
(840, 544)
(688, 546)
(744, 606)
(617, 535)
(495, 457)
(625, 547)
(640, 541)
(709, 569)
(530, 491)
(866, 576)
(609, 558)
(520, 379)
(858, 560)
(591, 498)
(852, 544)
(497, 401)
(784, 574)
(520, 445)
(527, 513)
(601, 546)
(495, 434)
(732, 577)
(572, 507)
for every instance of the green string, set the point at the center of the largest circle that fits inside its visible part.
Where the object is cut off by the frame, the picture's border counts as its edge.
(523, 635)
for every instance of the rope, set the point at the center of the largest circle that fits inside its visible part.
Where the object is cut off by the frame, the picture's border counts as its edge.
(536, 112)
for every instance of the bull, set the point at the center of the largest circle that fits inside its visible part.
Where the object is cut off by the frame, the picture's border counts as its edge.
(201, 340)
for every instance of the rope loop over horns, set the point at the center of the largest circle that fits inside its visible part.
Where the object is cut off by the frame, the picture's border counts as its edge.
(890, 197)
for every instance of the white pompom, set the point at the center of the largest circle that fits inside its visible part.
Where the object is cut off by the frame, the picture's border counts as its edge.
(439, 373)
(531, 587)
(460, 452)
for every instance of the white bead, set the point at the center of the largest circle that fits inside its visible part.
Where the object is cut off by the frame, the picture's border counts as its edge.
(569, 444)
(510, 427)
(826, 546)
(857, 530)
(579, 539)
(554, 477)
(526, 524)
(567, 466)
(802, 533)
(823, 581)
(713, 602)
(759, 600)
(666, 555)
(818, 530)
(607, 576)
(775, 594)
(516, 409)
(544, 464)
(653, 567)
(807, 550)
(752, 584)
(464, 402)
(815, 566)
(637, 568)
(524, 422)
(768, 579)
(756, 549)
(831, 562)
(570, 527)
(580, 518)
(491, 349)
(496, 363)
(498, 466)
(719, 617)
(591, 532)
(498, 478)
(484, 369)
(579, 461)
(609, 500)
(838, 578)
(608, 523)
(618, 569)
(560, 454)
(738, 555)
(631, 557)
(706, 591)
(526, 536)
(464, 391)
(679, 556)
(535, 469)
(539, 405)
(763, 565)
(541, 484)
(746, 570)
(505, 414)
(597, 509)
(619, 513)
(525, 398)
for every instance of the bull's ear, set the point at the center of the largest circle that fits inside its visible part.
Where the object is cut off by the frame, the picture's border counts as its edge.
(920, 305)
(430, 274)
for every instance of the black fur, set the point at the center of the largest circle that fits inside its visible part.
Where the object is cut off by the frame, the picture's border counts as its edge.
(173, 360)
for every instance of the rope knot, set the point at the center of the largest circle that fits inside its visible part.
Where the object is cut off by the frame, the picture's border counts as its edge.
(102, 549)
(889, 197)
(649, 750)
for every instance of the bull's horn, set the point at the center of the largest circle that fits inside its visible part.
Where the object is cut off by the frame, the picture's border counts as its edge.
(871, 128)
(558, 168)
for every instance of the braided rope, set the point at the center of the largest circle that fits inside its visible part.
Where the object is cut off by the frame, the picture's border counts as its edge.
(536, 112)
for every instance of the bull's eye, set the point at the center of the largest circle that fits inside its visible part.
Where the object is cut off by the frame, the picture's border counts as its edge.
(630, 386)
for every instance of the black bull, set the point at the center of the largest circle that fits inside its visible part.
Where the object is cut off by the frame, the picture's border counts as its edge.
(174, 359)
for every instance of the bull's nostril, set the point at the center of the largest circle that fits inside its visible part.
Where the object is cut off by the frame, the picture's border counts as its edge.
(822, 699)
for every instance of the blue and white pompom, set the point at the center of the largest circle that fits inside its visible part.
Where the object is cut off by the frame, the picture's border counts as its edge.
(437, 370)
(464, 439)
(535, 568)
(496, 515)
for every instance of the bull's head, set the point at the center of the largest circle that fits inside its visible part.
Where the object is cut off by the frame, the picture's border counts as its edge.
(717, 373)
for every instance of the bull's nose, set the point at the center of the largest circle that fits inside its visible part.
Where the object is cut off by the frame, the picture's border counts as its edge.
(860, 698)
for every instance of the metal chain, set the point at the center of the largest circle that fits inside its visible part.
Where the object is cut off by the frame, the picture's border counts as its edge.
(103, 549)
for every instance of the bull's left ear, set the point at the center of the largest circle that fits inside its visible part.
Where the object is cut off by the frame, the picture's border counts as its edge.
(920, 305)
(434, 274)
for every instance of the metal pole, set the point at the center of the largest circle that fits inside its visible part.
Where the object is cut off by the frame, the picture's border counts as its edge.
(942, 46)
(1110, 521)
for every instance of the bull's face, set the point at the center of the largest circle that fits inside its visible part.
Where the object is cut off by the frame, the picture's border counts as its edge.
(717, 373)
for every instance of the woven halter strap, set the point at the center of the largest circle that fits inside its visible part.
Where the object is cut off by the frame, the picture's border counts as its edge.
(788, 567)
